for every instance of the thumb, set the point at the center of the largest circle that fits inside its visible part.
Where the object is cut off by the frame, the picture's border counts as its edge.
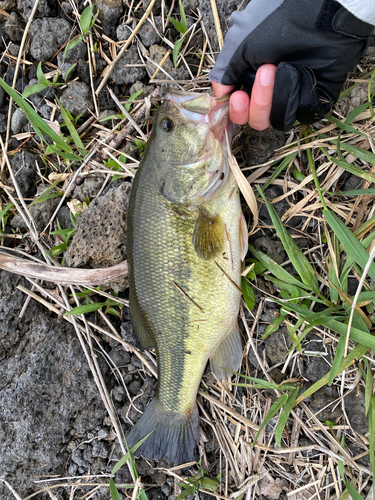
(220, 90)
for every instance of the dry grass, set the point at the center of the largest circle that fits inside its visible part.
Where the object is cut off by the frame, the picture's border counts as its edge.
(230, 414)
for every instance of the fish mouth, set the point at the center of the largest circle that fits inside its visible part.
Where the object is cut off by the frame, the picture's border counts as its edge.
(202, 109)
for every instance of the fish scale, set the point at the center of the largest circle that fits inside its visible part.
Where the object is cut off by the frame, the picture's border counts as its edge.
(183, 304)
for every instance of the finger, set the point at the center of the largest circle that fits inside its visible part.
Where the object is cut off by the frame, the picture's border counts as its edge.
(239, 107)
(261, 97)
(220, 90)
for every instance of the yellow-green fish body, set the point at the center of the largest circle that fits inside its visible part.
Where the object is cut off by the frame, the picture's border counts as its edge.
(186, 234)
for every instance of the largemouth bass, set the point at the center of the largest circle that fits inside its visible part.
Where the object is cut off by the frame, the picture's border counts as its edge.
(186, 238)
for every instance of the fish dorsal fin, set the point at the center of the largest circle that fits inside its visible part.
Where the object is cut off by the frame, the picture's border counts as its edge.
(209, 235)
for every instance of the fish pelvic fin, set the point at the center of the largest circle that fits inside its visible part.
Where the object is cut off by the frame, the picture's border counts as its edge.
(227, 356)
(209, 235)
(174, 437)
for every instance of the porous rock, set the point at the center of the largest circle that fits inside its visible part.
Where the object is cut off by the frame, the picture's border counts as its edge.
(127, 75)
(48, 35)
(277, 345)
(88, 189)
(3, 123)
(14, 27)
(123, 32)
(24, 166)
(272, 248)
(43, 9)
(109, 12)
(148, 34)
(44, 384)
(258, 146)
(157, 52)
(100, 236)
(40, 212)
(319, 360)
(355, 405)
(77, 99)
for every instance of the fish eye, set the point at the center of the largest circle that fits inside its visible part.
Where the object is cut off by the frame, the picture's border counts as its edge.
(166, 124)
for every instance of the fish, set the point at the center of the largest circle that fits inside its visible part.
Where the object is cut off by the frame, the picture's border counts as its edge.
(187, 238)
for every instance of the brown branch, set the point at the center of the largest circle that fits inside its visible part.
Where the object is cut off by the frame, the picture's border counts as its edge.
(64, 275)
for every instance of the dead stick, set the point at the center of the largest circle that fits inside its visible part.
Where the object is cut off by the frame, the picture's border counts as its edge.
(92, 277)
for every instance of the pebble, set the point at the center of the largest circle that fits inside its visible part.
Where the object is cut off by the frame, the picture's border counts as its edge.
(123, 32)
(125, 74)
(48, 35)
(77, 99)
(14, 27)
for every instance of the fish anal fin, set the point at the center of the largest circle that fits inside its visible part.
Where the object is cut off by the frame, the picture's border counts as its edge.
(227, 356)
(143, 338)
(244, 237)
(174, 437)
(209, 235)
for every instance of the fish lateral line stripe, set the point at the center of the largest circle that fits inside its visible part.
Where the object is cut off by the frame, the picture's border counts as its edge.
(187, 296)
(229, 278)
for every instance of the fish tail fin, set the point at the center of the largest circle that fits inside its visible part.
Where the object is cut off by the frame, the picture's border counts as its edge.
(174, 437)
(228, 355)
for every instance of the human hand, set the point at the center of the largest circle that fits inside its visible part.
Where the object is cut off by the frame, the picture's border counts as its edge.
(257, 110)
(314, 45)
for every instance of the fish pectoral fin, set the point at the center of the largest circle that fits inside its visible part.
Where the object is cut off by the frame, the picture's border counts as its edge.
(209, 235)
(244, 237)
(173, 437)
(143, 338)
(227, 356)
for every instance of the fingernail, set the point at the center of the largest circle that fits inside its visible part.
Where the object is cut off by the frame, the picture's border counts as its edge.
(266, 77)
(237, 104)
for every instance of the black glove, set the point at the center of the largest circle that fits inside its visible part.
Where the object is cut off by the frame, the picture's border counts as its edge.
(315, 43)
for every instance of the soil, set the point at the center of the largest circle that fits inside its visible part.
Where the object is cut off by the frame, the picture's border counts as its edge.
(53, 422)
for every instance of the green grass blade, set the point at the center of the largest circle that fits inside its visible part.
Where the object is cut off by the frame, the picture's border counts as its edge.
(339, 354)
(33, 89)
(179, 26)
(85, 19)
(357, 111)
(371, 425)
(345, 126)
(277, 270)
(285, 415)
(73, 132)
(176, 50)
(40, 75)
(349, 242)
(248, 293)
(369, 383)
(115, 495)
(356, 192)
(183, 15)
(129, 454)
(38, 124)
(368, 176)
(271, 412)
(273, 326)
(295, 254)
